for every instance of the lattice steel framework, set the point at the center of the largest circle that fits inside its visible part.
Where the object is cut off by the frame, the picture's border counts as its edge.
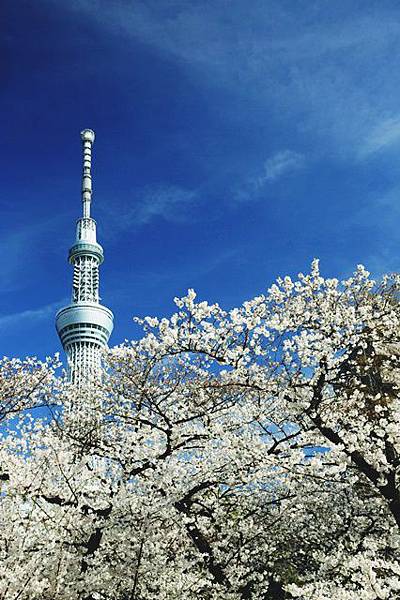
(85, 325)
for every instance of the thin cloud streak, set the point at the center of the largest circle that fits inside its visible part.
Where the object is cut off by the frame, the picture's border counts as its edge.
(17, 246)
(171, 203)
(30, 316)
(280, 164)
(383, 136)
(277, 166)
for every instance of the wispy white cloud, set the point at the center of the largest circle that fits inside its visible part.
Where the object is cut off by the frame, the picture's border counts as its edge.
(330, 73)
(31, 316)
(17, 246)
(171, 203)
(384, 135)
(280, 164)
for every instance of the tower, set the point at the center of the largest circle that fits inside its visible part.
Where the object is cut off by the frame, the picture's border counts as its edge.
(84, 327)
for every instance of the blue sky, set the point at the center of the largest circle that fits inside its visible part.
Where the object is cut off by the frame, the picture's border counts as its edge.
(236, 140)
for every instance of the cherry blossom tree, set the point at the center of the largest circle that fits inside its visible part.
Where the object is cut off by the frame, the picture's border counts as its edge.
(24, 384)
(250, 453)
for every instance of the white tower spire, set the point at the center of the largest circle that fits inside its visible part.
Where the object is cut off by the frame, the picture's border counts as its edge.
(85, 325)
(87, 136)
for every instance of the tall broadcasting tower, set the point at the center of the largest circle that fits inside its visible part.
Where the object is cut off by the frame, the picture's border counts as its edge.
(85, 325)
